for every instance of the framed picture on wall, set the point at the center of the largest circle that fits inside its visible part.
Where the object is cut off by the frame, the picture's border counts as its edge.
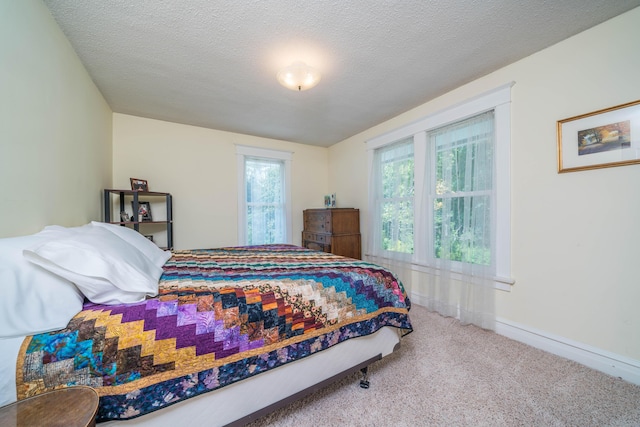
(601, 139)
(139, 184)
(144, 212)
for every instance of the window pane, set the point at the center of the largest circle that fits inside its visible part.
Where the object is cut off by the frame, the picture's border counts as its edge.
(264, 181)
(462, 229)
(397, 226)
(464, 157)
(264, 225)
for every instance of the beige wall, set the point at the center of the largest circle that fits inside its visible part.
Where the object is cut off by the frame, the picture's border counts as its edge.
(55, 126)
(574, 236)
(198, 167)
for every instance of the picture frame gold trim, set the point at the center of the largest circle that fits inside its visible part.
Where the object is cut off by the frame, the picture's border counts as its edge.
(601, 139)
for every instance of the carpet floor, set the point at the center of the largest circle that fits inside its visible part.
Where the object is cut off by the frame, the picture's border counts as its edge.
(446, 374)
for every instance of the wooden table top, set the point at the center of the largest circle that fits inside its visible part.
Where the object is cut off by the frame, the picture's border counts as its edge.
(66, 407)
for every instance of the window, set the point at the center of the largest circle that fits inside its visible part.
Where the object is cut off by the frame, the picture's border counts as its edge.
(462, 190)
(263, 196)
(395, 196)
(439, 189)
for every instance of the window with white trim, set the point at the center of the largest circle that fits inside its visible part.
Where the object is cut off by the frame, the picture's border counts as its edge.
(461, 188)
(263, 196)
(394, 196)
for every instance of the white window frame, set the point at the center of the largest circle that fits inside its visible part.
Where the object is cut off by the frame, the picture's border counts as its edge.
(407, 257)
(242, 153)
(430, 165)
(498, 100)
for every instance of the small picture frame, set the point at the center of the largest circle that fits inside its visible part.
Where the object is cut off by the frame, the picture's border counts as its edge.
(144, 212)
(601, 139)
(333, 200)
(139, 184)
(149, 236)
(124, 217)
(327, 201)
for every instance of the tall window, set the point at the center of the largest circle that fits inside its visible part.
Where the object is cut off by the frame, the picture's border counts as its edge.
(264, 184)
(439, 202)
(462, 190)
(263, 196)
(458, 165)
(394, 196)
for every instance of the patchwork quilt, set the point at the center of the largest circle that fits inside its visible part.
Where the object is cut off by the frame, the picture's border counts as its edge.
(222, 315)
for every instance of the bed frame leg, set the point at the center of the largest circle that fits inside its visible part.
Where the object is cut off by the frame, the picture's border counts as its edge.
(364, 382)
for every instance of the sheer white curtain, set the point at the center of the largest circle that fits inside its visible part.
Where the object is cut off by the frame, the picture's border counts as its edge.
(461, 207)
(391, 208)
(265, 201)
(432, 205)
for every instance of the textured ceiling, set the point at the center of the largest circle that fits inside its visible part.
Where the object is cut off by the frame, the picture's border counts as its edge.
(213, 63)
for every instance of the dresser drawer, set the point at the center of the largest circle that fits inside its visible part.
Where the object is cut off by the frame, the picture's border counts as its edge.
(313, 237)
(317, 246)
(319, 221)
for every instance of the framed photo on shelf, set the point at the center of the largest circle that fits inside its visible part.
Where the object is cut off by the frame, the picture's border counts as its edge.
(139, 184)
(144, 212)
(601, 139)
(149, 236)
(124, 217)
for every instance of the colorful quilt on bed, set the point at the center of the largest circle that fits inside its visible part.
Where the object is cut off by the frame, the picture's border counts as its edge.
(221, 315)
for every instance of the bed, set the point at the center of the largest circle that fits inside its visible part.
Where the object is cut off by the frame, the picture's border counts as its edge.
(226, 335)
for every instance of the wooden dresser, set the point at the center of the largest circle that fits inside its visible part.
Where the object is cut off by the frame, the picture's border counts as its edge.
(336, 231)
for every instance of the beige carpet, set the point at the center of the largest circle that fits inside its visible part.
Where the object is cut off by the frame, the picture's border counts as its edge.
(451, 375)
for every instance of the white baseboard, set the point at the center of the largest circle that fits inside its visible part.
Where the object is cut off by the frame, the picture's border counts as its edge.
(610, 363)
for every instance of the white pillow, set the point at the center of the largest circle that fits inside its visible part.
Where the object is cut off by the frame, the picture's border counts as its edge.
(33, 300)
(104, 267)
(144, 245)
(58, 231)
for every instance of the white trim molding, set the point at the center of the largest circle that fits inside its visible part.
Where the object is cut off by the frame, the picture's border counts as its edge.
(604, 361)
(498, 100)
(610, 363)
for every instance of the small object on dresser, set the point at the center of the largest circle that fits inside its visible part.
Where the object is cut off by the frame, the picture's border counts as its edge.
(333, 200)
(139, 184)
(327, 201)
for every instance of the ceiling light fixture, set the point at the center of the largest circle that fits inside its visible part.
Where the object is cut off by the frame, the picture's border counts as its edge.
(298, 76)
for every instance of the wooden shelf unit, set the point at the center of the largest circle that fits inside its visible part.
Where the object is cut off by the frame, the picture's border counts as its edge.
(135, 197)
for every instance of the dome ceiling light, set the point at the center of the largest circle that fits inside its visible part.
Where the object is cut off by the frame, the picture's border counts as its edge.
(298, 76)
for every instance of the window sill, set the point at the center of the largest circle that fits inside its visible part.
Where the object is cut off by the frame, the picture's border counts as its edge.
(499, 283)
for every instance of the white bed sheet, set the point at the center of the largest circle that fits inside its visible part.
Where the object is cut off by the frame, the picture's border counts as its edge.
(9, 349)
(230, 403)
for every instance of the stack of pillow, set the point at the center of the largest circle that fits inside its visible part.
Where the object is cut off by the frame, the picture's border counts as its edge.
(46, 276)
